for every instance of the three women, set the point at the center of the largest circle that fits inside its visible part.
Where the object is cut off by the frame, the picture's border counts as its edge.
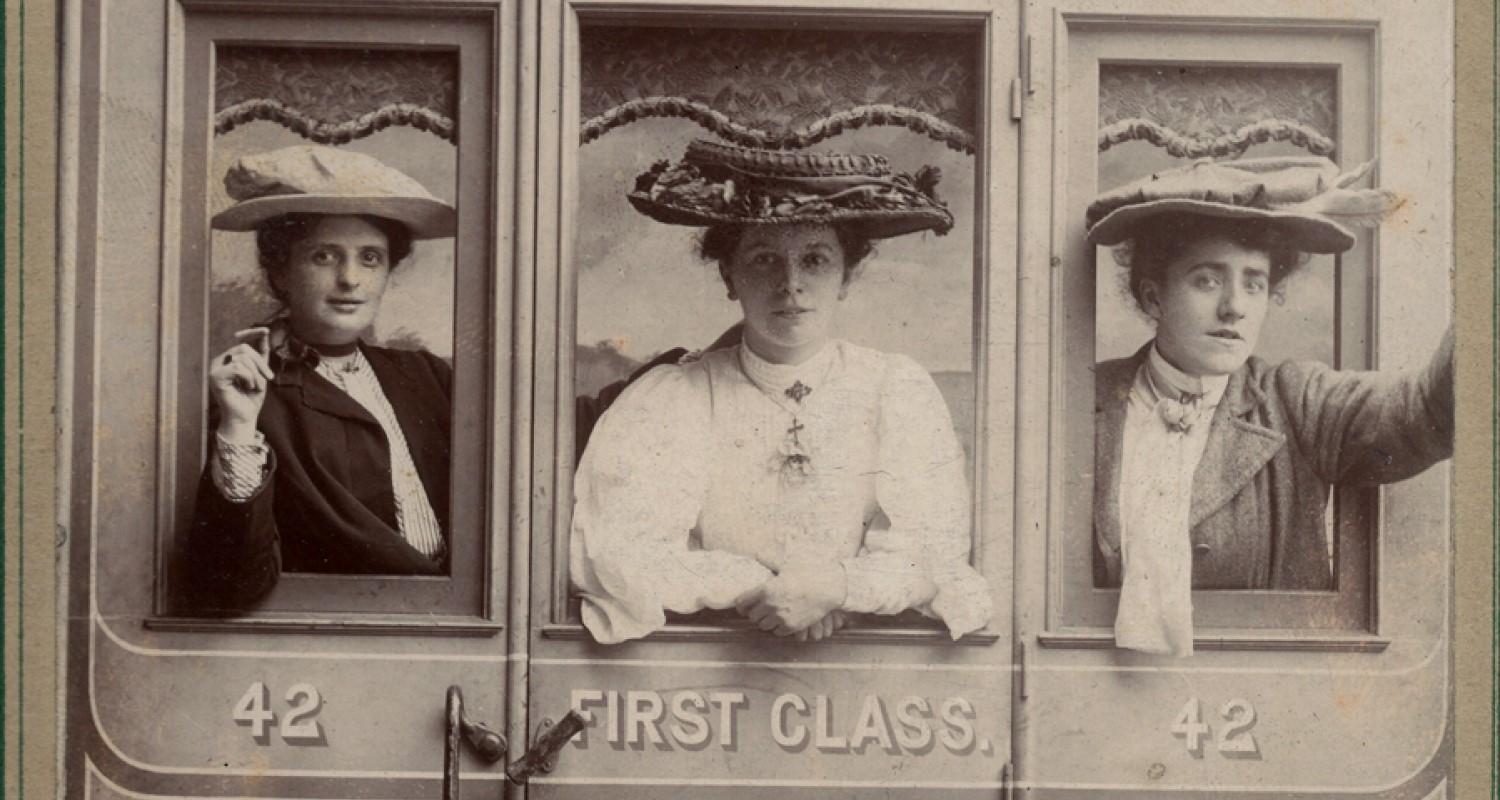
(795, 477)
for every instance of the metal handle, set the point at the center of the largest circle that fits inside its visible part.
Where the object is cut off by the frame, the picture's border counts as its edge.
(542, 757)
(488, 745)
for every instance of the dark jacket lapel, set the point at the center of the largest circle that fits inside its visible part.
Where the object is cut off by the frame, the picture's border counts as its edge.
(1112, 382)
(318, 393)
(1237, 447)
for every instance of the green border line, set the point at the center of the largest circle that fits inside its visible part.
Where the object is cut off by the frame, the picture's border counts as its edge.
(1494, 403)
(21, 411)
(5, 270)
(4, 439)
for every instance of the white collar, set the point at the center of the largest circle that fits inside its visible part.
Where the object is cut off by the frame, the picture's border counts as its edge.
(774, 379)
(1169, 382)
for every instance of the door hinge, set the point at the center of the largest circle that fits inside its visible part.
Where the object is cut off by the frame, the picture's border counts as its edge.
(1022, 87)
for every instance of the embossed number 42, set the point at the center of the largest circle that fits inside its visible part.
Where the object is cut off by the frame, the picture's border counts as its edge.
(1234, 737)
(253, 709)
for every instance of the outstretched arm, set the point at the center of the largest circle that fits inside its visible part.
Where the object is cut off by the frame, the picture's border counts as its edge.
(1371, 427)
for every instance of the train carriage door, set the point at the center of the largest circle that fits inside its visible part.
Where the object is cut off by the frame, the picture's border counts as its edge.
(705, 704)
(332, 683)
(1341, 686)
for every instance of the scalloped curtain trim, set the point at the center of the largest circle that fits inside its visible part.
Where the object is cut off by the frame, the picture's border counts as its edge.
(323, 132)
(721, 125)
(1229, 144)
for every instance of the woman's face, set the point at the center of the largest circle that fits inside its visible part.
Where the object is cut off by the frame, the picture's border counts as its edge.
(1211, 308)
(789, 280)
(334, 280)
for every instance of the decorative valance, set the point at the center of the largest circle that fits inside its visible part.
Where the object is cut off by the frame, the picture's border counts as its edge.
(1218, 112)
(781, 89)
(335, 95)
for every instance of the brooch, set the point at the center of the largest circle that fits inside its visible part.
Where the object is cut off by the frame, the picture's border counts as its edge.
(796, 464)
(1180, 415)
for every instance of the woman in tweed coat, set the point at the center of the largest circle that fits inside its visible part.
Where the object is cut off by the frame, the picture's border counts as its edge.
(1213, 468)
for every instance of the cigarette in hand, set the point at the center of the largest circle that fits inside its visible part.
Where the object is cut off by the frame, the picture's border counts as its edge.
(262, 336)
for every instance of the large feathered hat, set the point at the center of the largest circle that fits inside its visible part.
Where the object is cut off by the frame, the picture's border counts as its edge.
(717, 183)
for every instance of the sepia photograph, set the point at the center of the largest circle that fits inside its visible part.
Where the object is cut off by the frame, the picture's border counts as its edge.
(566, 399)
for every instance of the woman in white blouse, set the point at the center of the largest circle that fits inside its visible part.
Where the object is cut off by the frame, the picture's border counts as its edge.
(795, 477)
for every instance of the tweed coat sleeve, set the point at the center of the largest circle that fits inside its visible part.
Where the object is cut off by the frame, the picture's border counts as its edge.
(1369, 427)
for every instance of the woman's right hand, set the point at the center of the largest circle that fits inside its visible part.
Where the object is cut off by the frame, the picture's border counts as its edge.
(237, 380)
(823, 628)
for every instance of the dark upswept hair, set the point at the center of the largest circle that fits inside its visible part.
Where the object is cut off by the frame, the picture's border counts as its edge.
(717, 243)
(1161, 239)
(275, 238)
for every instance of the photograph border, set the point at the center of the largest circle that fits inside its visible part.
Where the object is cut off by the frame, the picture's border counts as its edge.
(37, 268)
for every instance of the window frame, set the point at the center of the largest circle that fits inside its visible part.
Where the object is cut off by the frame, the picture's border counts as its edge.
(1080, 615)
(554, 609)
(462, 602)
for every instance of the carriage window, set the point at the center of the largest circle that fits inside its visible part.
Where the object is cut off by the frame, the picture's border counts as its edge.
(650, 293)
(1135, 116)
(335, 389)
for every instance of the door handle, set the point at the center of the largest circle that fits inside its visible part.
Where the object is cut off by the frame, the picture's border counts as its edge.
(491, 747)
(542, 756)
(488, 745)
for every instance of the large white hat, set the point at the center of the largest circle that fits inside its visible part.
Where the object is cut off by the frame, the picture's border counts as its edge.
(1306, 199)
(314, 179)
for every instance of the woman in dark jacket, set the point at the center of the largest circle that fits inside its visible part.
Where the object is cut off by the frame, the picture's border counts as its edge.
(1212, 467)
(328, 454)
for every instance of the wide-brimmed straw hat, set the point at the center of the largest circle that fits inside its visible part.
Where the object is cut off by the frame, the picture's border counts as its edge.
(1306, 199)
(314, 179)
(717, 183)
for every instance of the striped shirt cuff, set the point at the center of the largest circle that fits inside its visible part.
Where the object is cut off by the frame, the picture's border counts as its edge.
(239, 469)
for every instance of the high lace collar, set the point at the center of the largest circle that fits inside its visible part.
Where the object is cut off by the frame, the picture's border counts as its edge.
(777, 380)
(344, 364)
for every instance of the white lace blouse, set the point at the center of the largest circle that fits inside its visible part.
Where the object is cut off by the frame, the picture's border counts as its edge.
(701, 482)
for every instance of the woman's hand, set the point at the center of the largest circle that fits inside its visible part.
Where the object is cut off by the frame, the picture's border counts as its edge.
(798, 598)
(237, 381)
(823, 628)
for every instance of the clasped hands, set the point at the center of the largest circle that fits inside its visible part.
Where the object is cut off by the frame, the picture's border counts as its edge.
(804, 601)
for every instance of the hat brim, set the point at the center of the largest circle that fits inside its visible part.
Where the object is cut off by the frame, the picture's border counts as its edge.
(426, 218)
(871, 223)
(1305, 232)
